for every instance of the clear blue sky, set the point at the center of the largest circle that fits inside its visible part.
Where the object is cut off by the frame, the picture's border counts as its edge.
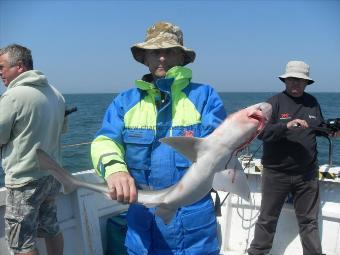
(84, 46)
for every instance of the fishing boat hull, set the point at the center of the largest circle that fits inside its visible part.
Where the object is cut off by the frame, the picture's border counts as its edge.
(83, 217)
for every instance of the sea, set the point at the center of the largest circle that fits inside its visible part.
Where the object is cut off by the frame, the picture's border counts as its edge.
(85, 122)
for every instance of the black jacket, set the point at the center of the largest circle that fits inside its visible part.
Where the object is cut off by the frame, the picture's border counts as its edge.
(291, 150)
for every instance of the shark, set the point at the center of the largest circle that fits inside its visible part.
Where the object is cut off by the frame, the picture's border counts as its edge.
(214, 160)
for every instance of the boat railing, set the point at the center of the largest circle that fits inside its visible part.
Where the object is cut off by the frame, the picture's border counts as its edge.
(75, 144)
(247, 153)
(247, 156)
(330, 150)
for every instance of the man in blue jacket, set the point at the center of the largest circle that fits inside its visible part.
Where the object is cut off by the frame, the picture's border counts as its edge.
(128, 154)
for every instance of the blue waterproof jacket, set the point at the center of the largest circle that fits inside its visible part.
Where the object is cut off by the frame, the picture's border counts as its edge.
(129, 141)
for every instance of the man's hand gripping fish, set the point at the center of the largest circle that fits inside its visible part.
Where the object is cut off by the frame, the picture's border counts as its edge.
(210, 156)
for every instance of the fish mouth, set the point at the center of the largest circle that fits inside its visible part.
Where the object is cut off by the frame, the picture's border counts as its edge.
(260, 119)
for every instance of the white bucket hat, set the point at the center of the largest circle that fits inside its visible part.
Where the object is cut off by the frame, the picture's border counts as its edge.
(297, 69)
(162, 35)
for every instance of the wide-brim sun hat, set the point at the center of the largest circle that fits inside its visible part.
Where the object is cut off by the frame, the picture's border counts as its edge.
(297, 69)
(162, 35)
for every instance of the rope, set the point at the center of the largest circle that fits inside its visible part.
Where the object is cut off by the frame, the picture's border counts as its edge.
(252, 156)
(74, 145)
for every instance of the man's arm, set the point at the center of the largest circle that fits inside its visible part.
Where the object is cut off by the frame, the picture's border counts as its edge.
(274, 130)
(8, 112)
(213, 114)
(107, 152)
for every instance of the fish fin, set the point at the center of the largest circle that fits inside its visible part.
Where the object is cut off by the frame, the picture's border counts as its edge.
(46, 162)
(166, 214)
(233, 181)
(152, 198)
(188, 146)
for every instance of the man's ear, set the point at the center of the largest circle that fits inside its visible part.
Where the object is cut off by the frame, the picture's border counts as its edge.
(21, 67)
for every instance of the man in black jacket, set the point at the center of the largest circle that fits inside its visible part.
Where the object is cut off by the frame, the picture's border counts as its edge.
(290, 162)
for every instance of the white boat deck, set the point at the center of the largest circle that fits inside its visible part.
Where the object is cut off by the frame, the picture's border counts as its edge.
(83, 214)
(239, 218)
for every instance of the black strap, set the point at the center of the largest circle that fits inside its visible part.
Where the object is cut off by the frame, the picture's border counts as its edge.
(217, 203)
